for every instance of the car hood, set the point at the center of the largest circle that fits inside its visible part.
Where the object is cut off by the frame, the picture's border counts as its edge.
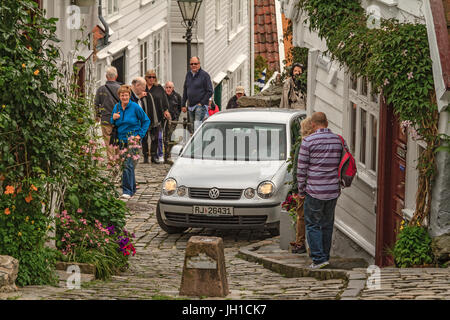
(224, 174)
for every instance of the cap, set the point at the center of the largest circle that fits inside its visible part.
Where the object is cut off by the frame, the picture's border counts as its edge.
(240, 89)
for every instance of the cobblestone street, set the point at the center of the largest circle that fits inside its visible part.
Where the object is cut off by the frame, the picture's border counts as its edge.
(155, 272)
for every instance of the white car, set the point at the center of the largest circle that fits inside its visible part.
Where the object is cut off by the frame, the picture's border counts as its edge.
(232, 173)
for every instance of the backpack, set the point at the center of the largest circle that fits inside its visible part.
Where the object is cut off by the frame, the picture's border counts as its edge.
(347, 167)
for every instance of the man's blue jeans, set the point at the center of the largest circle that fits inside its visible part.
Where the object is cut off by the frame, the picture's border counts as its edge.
(319, 221)
(197, 116)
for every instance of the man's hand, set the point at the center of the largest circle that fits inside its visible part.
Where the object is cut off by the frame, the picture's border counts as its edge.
(116, 116)
(167, 115)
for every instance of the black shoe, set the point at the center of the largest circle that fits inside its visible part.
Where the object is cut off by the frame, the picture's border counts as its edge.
(298, 249)
(145, 159)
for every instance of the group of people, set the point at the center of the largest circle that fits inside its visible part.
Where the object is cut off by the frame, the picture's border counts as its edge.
(316, 175)
(146, 108)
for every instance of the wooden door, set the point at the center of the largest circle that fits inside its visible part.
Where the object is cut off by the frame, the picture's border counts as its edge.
(391, 184)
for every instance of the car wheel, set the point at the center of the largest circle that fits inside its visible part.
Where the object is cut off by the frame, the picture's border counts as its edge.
(165, 227)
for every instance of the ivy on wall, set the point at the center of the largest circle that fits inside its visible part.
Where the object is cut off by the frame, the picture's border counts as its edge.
(395, 57)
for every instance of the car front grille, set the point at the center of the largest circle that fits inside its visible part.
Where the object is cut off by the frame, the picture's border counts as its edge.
(200, 220)
(224, 194)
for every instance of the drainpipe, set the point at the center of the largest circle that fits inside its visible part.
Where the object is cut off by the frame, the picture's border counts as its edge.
(105, 24)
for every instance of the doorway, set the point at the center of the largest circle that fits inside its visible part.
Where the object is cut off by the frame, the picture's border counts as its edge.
(390, 185)
(119, 63)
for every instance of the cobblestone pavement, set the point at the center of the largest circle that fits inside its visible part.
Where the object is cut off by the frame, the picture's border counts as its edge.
(155, 271)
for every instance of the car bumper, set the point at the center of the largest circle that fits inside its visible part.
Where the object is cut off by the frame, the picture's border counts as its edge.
(179, 214)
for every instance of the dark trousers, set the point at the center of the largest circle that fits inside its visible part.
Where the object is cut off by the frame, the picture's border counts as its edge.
(154, 134)
(167, 137)
(319, 221)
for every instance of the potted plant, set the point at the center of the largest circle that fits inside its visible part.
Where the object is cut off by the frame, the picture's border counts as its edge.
(288, 219)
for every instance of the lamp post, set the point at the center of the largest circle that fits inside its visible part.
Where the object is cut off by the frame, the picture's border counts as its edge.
(189, 10)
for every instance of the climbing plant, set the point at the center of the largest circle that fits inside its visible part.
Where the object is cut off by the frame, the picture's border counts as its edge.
(395, 57)
(46, 119)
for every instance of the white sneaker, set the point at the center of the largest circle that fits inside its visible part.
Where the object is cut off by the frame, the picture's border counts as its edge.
(318, 266)
(161, 159)
(125, 196)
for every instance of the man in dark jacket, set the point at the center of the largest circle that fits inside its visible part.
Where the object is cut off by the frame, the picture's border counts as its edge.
(174, 110)
(232, 103)
(196, 93)
(105, 100)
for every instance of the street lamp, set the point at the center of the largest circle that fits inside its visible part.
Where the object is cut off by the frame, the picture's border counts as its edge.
(189, 10)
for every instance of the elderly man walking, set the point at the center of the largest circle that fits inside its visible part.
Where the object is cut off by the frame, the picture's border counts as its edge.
(318, 183)
(105, 100)
(196, 92)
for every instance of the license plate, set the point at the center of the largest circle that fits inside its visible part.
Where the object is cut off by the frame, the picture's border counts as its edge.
(213, 211)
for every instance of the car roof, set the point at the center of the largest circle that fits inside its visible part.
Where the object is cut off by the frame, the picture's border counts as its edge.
(271, 115)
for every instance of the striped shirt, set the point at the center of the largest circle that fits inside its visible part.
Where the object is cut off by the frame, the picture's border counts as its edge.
(318, 164)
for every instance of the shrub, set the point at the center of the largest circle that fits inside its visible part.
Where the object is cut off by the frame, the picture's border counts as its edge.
(413, 247)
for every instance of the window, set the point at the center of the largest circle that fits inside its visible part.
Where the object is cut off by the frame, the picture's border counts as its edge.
(363, 111)
(353, 127)
(240, 13)
(113, 7)
(231, 19)
(143, 57)
(218, 14)
(157, 54)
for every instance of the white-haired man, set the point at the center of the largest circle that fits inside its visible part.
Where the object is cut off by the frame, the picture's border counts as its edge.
(105, 100)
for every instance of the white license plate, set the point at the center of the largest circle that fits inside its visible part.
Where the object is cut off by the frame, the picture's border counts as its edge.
(212, 211)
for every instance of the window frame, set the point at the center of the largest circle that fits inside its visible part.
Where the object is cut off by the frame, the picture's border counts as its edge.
(114, 5)
(144, 60)
(367, 170)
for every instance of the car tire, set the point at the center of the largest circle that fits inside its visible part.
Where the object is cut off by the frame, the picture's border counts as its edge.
(165, 227)
(274, 232)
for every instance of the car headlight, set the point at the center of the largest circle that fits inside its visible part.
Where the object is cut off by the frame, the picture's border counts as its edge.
(266, 189)
(181, 191)
(249, 193)
(169, 186)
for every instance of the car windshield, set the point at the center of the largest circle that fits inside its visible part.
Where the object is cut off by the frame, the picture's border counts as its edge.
(238, 141)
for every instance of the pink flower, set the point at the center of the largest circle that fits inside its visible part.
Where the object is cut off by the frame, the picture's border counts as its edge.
(386, 82)
(79, 210)
(410, 75)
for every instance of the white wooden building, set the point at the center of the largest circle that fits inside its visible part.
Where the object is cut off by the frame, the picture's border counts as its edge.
(222, 39)
(357, 114)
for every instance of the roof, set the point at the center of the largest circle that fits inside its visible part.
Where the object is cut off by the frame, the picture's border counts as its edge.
(267, 115)
(266, 34)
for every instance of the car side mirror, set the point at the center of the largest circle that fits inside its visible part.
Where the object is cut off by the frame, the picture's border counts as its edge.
(176, 151)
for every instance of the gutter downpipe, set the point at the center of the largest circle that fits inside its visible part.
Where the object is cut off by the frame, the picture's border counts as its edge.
(105, 24)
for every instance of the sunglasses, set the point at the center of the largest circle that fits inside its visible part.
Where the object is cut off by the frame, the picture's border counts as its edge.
(194, 64)
(151, 77)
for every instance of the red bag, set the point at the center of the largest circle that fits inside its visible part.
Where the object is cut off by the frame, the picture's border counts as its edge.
(211, 112)
(347, 167)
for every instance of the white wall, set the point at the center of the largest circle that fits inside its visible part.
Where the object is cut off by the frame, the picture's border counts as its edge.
(355, 211)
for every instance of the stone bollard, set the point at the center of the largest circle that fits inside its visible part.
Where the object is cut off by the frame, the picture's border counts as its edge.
(9, 268)
(204, 271)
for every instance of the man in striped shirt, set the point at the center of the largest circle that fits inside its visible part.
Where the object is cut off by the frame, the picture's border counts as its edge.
(318, 183)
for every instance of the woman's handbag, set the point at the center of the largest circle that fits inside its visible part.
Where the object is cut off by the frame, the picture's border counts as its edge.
(114, 138)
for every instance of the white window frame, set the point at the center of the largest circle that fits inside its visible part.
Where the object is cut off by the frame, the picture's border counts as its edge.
(144, 59)
(219, 21)
(235, 18)
(231, 16)
(160, 66)
(114, 5)
(367, 171)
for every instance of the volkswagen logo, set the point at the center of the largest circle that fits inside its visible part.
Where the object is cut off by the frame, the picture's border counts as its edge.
(214, 193)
